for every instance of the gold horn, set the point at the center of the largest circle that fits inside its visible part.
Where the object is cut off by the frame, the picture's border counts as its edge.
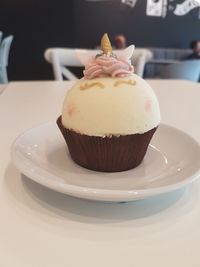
(105, 44)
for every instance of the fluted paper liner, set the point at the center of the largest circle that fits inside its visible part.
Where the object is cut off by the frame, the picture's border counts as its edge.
(106, 154)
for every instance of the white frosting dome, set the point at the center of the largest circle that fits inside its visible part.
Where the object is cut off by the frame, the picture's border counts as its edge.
(111, 106)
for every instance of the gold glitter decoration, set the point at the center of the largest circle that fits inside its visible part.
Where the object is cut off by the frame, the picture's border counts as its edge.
(130, 82)
(87, 86)
(105, 44)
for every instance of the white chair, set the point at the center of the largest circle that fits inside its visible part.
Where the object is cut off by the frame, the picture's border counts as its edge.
(61, 58)
(4, 54)
(139, 59)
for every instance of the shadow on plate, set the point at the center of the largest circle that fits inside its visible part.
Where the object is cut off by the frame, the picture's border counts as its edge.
(22, 188)
(113, 211)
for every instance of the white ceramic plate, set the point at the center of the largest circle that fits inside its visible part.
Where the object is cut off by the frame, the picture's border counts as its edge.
(172, 161)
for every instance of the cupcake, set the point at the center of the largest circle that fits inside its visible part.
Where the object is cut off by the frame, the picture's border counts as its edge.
(110, 115)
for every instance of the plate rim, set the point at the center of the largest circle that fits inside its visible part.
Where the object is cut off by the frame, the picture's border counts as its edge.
(97, 194)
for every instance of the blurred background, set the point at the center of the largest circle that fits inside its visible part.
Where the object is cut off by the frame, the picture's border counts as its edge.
(36, 25)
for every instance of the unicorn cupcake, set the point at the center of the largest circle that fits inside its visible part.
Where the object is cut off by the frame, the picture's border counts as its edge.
(110, 115)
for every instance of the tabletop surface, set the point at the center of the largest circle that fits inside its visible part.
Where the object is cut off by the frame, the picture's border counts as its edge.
(42, 228)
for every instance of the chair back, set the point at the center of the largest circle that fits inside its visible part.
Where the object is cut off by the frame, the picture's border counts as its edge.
(61, 58)
(4, 50)
(139, 59)
(186, 70)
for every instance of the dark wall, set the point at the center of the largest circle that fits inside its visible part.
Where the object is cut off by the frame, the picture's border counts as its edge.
(35, 25)
(38, 24)
(95, 18)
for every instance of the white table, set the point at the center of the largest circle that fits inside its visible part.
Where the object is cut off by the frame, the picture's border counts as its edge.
(42, 228)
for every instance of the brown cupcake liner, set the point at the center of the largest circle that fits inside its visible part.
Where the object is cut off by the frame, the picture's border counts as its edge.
(106, 154)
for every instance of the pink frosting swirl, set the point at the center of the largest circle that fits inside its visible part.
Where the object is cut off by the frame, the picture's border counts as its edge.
(104, 65)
